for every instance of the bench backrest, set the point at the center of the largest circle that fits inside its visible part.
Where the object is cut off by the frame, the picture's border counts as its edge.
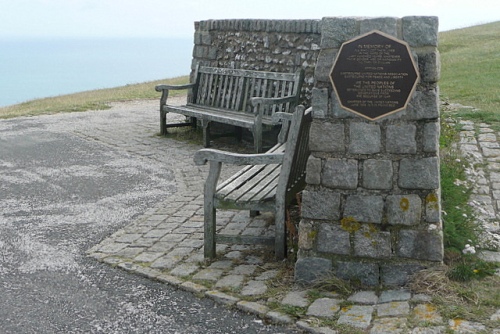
(293, 169)
(232, 89)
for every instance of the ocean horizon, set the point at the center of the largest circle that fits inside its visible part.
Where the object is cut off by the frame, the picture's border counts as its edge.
(33, 68)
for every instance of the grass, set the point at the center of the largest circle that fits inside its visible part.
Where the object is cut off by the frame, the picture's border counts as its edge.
(470, 69)
(89, 100)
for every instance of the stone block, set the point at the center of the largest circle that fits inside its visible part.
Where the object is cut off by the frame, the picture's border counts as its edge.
(364, 138)
(338, 111)
(333, 239)
(419, 173)
(337, 30)
(307, 235)
(321, 204)
(397, 274)
(404, 209)
(420, 245)
(388, 25)
(366, 209)
(400, 138)
(324, 308)
(420, 31)
(377, 174)
(371, 242)
(313, 170)
(326, 137)
(430, 141)
(366, 273)
(424, 105)
(340, 173)
(311, 269)
(433, 208)
(324, 64)
(429, 64)
(319, 103)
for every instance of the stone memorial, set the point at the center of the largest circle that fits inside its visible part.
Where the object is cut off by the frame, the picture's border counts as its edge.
(371, 209)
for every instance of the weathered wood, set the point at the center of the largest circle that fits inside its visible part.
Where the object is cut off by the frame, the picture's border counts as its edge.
(268, 181)
(242, 98)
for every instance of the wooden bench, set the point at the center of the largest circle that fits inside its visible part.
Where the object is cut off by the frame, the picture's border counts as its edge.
(242, 98)
(268, 183)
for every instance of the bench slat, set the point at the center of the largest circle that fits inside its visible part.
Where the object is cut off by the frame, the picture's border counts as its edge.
(248, 190)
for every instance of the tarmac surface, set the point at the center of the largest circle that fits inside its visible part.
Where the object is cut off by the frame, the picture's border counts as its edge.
(67, 182)
(161, 239)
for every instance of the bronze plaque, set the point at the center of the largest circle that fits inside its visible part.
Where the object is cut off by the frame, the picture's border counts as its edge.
(374, 75)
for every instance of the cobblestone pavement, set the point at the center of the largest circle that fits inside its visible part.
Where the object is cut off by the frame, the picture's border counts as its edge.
(166, 244)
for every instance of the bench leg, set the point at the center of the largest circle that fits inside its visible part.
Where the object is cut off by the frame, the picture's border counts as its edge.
(206, 132)
(210, 222)
(280, 241)
(163, 123)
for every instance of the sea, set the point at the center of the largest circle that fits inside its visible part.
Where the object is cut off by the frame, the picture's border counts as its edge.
(32, 68)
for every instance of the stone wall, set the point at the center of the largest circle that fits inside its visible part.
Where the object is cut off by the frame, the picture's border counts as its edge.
(371, 209)
(265, 45)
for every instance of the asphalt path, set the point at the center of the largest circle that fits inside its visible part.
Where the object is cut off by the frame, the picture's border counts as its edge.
(66, 183)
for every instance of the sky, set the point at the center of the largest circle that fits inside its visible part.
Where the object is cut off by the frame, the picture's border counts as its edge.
(175, 18)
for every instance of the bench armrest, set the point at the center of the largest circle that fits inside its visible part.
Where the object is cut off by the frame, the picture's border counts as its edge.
(159, 88)
(204, 155)
(164, 89)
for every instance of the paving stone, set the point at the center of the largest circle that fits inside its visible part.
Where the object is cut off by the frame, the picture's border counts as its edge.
(393, 309)
(364, 297)
(244, 269)
(394, 295)
(464, 326)
(267, 275)
(230, 281)
(426, 313)
(429, 330)
(234, 255)
(356, 316)
(208, 274)
(254, 288)
(147, 256)
(303, 325)
(165, 262)
(193, 287)
(184, 269)
(324, 307)
(130, 252)
(389, 326)
(221, 265)
(252, 307)
(222, 297)
(296, 298)
(279, 318)
(128, 238)
(421, 297)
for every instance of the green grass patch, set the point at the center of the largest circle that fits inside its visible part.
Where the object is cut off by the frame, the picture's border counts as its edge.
(470, 69)
(90, 100)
